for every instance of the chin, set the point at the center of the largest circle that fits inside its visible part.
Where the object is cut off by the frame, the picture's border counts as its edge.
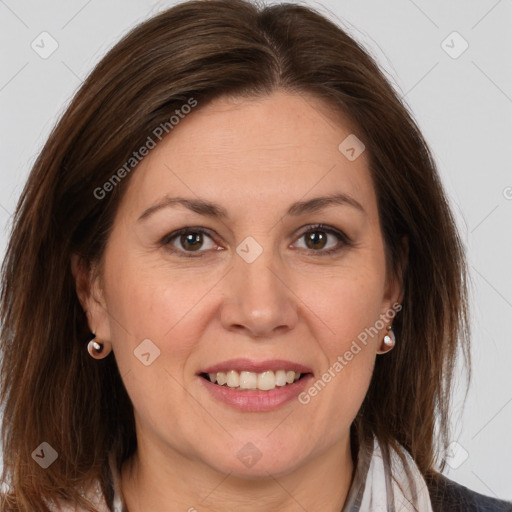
(255, 459)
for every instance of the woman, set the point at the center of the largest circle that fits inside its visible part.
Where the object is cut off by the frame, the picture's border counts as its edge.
(227, 232)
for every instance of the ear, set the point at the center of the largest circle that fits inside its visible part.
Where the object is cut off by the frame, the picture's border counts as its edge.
(394, 289)
(90, 293)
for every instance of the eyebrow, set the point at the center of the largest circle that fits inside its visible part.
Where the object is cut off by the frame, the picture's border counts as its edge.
(210, 209)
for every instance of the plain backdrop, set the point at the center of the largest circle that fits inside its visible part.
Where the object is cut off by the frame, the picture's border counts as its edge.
(451, 62)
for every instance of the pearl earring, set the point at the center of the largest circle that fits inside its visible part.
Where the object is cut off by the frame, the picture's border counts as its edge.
(96, 349)
(389, 339)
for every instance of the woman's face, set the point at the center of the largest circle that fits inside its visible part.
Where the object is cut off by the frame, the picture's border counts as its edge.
(246, 282)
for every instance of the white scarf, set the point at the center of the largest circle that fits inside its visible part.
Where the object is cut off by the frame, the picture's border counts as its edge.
(375, 490)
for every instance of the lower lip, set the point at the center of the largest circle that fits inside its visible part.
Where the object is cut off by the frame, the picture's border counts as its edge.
(257, 401)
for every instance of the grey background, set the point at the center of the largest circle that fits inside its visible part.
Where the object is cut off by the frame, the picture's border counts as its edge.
(463, 106)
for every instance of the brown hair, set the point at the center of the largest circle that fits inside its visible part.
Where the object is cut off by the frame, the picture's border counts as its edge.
(54, 392)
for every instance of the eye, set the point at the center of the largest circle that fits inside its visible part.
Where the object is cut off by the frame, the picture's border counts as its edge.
(317, 238)
(189, 240)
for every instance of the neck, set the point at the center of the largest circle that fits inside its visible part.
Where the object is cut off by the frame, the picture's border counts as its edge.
(151, 481)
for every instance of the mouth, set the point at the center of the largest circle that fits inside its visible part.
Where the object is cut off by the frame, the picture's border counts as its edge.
(251, 381)
(247, 375)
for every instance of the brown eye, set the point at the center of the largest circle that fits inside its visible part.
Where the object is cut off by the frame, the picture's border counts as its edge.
(316, 239)
(187, 240)
(192, 241)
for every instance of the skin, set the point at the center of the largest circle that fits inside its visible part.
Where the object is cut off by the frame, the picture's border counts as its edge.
(255, 158)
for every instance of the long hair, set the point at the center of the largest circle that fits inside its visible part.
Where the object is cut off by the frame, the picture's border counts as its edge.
(53, 392)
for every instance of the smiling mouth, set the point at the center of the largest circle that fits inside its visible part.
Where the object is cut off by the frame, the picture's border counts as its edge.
(251, 381)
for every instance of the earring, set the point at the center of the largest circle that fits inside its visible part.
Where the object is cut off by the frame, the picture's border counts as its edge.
(96, 349)
(389, 340)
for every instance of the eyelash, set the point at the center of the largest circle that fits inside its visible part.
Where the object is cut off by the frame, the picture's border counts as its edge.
(342, 237)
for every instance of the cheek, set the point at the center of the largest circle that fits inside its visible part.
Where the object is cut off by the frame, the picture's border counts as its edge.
(335, 395)
(150, 313)
(350, 308)
(149, 307)
(152, 300)
(349, 305)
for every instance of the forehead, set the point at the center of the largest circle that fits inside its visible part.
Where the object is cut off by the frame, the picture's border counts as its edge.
(274, 149)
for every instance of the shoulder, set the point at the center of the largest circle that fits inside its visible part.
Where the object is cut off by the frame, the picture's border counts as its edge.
(447, 495)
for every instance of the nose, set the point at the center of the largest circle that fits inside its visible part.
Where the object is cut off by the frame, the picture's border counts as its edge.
(259, 300)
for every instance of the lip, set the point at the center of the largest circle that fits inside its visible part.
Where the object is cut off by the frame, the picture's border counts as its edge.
(243, 364)
(256, 401)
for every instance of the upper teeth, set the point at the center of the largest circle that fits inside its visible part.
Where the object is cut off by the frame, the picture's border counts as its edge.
(249, 380)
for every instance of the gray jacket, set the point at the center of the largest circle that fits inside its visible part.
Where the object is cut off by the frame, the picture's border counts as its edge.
(449, 496)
